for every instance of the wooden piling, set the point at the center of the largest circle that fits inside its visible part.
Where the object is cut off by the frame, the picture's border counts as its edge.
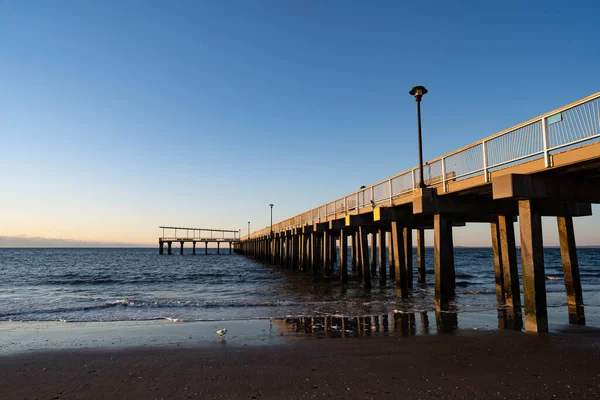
(391, 256)
(422, 270)
(169, 249)
(399, 260)
(354, 252)
(359, 263)
(443, 260)
(326, 253)
(205, 247)
(498, 271)
(161, 247)
(408, 255)
(181, 248)
(373, 253)
(568, 251)
(510, 269)
(364, 257)
(532, 259)
(343, 256)
(382, 256)
(314, 252)
(332, 252)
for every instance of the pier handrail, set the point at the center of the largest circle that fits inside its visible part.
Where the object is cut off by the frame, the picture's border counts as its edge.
(563, 127)
(236, 234)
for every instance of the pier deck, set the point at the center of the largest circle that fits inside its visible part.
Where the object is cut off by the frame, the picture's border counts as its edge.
(547, 166)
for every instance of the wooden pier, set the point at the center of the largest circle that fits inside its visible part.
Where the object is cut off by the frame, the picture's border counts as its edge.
(547, 166)
(198, 235)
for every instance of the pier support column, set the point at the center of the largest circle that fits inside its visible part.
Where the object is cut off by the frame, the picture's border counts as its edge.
(373, 254)
(300, 252)
(422, 270)
(296, 258)
(399, 260)
(333, 252)
(391, 255)
(364, 256)
(181, 248)
(354, 251)
(568, 251)
(229, 247)
(326, 253)
(510, 269)
(443, 260)
(218, 247)
(205, 247)
(169, 249)
(359, 259)
(314, 252)
(408, 254)
(532, 259)
(498, 267)
(288, 250)
(194, 248)
(382, 256)
(343, 256)
(160, 247)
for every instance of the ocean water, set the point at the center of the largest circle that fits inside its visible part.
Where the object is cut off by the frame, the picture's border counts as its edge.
(139, 285)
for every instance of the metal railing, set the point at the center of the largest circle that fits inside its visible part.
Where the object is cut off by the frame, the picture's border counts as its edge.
(564, 127)
(198, 234)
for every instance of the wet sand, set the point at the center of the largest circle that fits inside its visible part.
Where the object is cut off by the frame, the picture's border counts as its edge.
(465, 364)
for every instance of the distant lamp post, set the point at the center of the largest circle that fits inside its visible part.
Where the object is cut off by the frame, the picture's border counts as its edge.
(248, 230)
(419, 92)
(271, 205)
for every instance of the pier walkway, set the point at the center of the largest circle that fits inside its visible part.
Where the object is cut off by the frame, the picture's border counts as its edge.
(547, 166)
(198, 235)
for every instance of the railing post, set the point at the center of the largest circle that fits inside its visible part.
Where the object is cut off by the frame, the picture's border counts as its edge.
(485, 171)
(372, 194)
(357, 207)
(412, 174)
(391, 194)
(545, 142)
(444, 174)
(345, 205)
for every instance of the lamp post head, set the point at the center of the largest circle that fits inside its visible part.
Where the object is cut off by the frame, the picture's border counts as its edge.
(271, 205)
(418, 92)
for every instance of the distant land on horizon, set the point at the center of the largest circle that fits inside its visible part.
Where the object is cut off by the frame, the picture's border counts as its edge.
(25, 242)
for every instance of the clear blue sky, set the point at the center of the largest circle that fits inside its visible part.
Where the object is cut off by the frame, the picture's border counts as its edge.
(119, 116)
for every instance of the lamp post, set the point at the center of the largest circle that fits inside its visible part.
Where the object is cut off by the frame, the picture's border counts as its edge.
(271, 205)
(248, 230)
(418, 92)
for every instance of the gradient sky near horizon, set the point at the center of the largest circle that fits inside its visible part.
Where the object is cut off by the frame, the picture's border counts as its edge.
(120, 116)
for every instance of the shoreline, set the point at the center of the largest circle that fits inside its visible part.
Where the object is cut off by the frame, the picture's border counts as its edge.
(17, 337)
(469, 364)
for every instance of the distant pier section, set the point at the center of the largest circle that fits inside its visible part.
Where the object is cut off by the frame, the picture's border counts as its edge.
(183, 235)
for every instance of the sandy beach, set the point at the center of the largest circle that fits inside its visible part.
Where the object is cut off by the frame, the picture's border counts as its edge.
(465, 364)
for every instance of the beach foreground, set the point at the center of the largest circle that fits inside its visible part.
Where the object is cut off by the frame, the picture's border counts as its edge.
(497, 364)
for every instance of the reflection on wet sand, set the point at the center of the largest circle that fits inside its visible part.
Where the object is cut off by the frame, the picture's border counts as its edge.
(395, 323)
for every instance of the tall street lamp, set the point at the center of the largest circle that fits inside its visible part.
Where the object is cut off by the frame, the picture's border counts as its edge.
(271, 205)
(248, 230)
(418, 92)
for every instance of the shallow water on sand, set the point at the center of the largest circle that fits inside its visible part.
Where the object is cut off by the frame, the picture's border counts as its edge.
(88, 285)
